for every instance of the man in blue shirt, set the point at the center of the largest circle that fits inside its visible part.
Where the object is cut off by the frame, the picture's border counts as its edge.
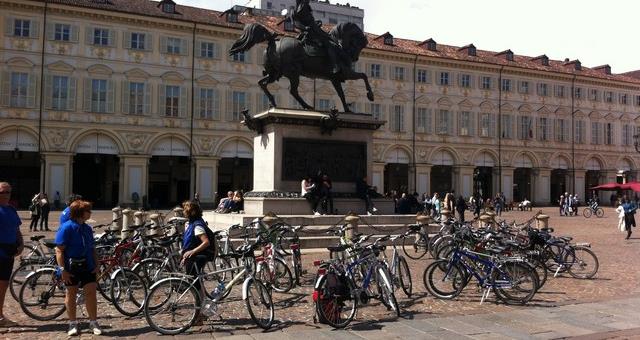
(11, 245)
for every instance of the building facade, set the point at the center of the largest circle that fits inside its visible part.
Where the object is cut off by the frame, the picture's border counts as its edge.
(134, 100)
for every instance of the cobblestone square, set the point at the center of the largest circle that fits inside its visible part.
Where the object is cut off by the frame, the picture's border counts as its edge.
(564, 306)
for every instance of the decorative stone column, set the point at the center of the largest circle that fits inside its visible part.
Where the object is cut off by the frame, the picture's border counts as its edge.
(464, 183)
(58, 174)
(507, 183)
(580, 188)
(116, 213)
(541, 190)
(206, 169)
(134, 177)
(377, 177)
(423, 178)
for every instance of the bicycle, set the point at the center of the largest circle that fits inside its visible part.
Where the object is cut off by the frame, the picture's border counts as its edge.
(330, 305)
(174, 304)
(398, 267)
(417, 246)
(511, 279)
(593, 208)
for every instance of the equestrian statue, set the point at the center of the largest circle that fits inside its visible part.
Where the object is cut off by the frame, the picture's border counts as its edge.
(314, 54)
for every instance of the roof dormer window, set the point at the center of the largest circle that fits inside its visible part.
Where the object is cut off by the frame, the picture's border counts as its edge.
(388, 39)
(430, 44)
(168, 6)
(544, 60)
(231, 15)
(471, 50)
(606, 69)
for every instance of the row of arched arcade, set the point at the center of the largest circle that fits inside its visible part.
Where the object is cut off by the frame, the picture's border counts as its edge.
(102, 168)
(523, 174)
(110, 168)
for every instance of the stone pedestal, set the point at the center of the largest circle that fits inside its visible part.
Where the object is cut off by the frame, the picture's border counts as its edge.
(292, 144)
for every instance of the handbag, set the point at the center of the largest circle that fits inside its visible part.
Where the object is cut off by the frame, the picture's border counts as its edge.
(78, 265)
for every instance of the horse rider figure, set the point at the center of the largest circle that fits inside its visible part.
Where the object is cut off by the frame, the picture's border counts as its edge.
(311, 29)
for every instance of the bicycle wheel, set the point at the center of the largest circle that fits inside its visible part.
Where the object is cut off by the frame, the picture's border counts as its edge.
(404, 276)
(599, 212)
(128, 291)
(259, 303)
(297, 266)
(19, 275)
(387, 297)
(514, 283)
(212, 282)
(584, 264)
(279, 277)
(172, 306)
(415, 245)
(104, 281)
(444, 280)
(337, 311)
(587, 212)
(540, 269)
(42, 295)
(150, 270)
(553, 258)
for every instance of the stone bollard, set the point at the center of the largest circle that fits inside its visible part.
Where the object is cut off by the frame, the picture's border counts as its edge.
(485, 220)
(116, 213)
(155, 222)
(423, 221)
(138, 217)
(542, 221)
(352, 220)
(178, 212)
(127, 220)
(445, 214)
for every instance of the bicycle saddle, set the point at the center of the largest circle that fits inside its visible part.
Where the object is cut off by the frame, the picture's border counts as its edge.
(496, 250)
(49, 243)
(337, 248)
(566, 238)
(37, 238)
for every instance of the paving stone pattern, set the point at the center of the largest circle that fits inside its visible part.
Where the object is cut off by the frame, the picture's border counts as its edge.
(607, 306)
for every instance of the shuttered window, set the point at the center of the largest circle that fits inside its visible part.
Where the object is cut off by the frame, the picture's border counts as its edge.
(465, 123)
(208, 101)
(487, 125)
(238, 103)
(444, 123)
(423, 120)
(19, 89)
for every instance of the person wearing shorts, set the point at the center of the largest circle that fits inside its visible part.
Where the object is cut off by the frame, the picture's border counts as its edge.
(77, 259)
(11, 245)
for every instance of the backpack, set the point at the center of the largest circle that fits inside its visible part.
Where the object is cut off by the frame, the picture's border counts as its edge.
(212, 251)
(336, 285)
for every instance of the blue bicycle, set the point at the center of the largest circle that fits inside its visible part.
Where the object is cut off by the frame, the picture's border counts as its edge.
(511, 279)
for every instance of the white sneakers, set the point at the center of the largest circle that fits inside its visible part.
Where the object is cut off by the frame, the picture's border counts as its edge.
(93, 326)
(369, 213)
(316, 214)
(73, 329)
(374, 209)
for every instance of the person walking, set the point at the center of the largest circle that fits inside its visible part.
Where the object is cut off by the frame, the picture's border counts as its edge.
(364, 191)
(35, 210)
(56, 200)
(77, 259)
(195, 241)
(11, 245)
(478, 204)
(620, 211)
(497, 203)
(45, 208)
(461, 206)
(326, 195)
(629, 215)
(435, 202)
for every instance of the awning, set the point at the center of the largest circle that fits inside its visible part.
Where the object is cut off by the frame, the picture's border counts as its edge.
(635, 186)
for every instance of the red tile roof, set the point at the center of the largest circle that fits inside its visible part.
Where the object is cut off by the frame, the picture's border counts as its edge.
(634, 74)
(211, 17)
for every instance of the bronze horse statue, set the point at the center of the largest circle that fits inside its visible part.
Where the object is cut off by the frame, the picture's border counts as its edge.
(292, 58)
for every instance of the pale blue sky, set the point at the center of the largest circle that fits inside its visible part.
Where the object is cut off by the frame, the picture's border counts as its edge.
(596, 32)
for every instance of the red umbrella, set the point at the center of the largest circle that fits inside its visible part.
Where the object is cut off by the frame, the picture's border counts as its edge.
(635, 186)
(608, 186)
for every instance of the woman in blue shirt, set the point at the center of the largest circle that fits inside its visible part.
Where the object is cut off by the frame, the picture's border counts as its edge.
(195, 242)
(10, 245)
(76, 256)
